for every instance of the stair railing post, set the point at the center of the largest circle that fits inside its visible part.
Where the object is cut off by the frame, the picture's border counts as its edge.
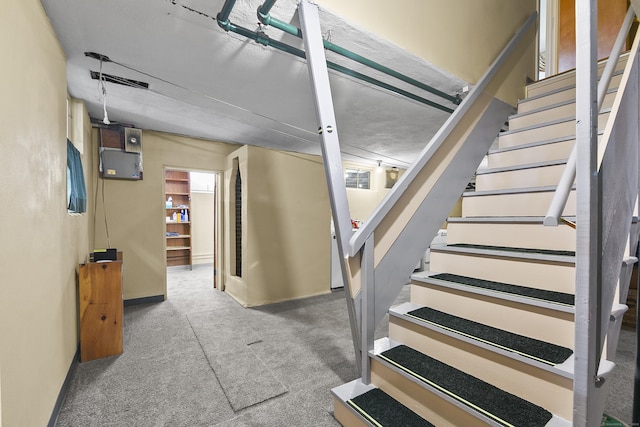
(367, 321)
(588, 240)
(328, 131)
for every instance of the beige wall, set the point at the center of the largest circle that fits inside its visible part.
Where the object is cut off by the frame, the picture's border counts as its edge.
(362, 202)
(41, 244)
(135, 209)
(286, 227)
(469, 33)
(202, 226)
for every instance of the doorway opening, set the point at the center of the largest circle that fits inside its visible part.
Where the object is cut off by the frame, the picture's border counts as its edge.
(192, 221)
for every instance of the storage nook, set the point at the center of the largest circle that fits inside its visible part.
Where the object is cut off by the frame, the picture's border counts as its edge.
(178, 217)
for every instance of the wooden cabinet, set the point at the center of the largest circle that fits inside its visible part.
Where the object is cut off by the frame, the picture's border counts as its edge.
(178, 230)
(100, 294)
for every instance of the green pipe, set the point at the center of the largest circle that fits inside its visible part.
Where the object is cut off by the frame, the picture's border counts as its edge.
(223, 16)
(267, 19)
(266, 7)
(266, 41)
(384, 85)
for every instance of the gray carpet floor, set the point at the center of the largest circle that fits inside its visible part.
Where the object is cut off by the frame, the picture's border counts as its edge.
(200, 359)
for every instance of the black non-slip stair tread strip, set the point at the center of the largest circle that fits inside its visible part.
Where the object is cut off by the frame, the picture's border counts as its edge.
(502, 407)
(385, 410)
(539, 294)
(519, 250)
(551, 354)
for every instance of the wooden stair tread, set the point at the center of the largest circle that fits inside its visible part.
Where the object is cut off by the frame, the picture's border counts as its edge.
(553, 297)
(552, 106)
(549, 123)
(566, 257)
(560, 89)
(380, 409)
(512, 249)
(502, 219)
(477, 395)
(544, 352)
(487, 171)
(544, 189)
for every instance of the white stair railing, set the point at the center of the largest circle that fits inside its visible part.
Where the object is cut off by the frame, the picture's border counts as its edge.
(380, 257)
(607, 183)
(561, 195)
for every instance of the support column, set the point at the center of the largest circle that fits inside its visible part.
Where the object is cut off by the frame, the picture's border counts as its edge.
(368, 308)
(588, 246)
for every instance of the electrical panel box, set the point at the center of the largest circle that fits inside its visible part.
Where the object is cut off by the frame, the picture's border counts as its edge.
(121, 164)
(121, 153)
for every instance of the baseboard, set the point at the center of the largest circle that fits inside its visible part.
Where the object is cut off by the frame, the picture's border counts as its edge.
(144, 300)
(64, 389)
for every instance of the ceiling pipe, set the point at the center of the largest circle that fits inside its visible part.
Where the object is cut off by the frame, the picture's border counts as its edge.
(223, 16)
(266, 7)
(263, 39)
(265, 17)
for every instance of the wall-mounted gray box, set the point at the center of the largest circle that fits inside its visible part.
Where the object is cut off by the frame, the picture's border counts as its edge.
(120, 164)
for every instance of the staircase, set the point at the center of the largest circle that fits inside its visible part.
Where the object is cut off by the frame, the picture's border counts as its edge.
(488, 335)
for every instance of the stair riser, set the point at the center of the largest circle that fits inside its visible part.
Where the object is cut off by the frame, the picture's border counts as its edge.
(519, 204)
(535, 322)
(543, 388)
(541, 153)
(537, 236)
(425, 403)
(521, 178)
(558, 277)
(344, 415)
(544, 133)
(527, 105)
(566, 79)
(552, 113)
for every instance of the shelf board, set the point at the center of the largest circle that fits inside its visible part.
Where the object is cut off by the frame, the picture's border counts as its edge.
(178, 248)
(177, 208)
(177, 179)
(174, 193)
(176, 222)
(181, 236)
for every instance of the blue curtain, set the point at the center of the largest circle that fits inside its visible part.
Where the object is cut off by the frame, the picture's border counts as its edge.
(76, 188)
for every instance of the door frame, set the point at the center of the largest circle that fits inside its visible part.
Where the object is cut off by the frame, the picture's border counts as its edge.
(218, 243)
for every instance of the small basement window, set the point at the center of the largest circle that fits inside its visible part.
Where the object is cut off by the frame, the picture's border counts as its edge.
(357, 178)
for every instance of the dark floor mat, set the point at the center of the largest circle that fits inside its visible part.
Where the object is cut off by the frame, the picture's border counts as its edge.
(502, 407)
(540, 294)
(386, 411)
(545, 352)
(520, 250)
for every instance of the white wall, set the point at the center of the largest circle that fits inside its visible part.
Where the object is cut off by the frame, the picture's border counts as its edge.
(202, 227)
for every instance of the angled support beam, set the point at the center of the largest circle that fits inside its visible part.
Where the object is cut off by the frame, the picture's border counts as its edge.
(328, 131)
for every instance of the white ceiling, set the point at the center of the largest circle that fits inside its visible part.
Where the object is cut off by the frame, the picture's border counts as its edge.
(207, 83)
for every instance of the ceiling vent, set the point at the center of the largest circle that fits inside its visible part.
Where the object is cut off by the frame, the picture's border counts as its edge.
(110, 78)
